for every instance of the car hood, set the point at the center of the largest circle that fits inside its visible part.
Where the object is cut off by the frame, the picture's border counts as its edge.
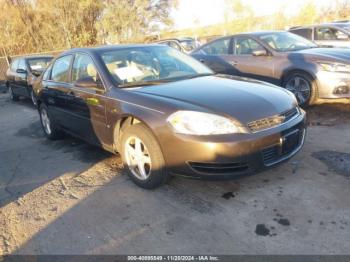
(331, 54)
(240, 98)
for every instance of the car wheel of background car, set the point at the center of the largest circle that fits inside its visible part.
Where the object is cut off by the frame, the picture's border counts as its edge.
(13, 97)
(50, 129)
(302, 86)
(33, 97)
(142, 156)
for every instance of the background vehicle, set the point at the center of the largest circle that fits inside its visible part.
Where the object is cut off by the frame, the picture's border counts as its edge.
(22, 73)
(184, 44)
(284, 59)
(166, 113)
(336, 34)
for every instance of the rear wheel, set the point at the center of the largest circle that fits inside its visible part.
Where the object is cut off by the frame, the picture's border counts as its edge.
(302, 86)
(13, 97)
(50, 129)
(142, 156)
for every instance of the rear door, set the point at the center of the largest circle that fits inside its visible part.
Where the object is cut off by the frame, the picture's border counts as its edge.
(87, 107)
(21, 76)
(11, 73)
(249, 65)
(217, 55)
(57, 89)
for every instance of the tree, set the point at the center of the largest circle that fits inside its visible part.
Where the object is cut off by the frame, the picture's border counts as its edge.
(123, 20)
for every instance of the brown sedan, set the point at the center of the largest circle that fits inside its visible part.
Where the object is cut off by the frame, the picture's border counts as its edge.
(168, 114)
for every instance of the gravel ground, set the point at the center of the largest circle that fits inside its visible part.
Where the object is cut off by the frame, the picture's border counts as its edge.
(67, 197)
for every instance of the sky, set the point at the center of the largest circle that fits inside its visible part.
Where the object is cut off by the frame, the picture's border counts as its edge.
(193, 13)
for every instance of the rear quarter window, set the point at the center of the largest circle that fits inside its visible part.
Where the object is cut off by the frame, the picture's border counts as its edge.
(304, 32)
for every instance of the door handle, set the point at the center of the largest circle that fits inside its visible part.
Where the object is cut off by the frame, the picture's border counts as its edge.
(92, 101)
(202, 60)
(233, 63)
(70, 93)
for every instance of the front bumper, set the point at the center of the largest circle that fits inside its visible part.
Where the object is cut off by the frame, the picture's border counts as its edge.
(228, 156)
(333, 85)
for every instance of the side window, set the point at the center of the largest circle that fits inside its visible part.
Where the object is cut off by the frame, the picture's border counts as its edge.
(328, 34)
(219, 47)
(60, 69)
(14, 65)
(83, 67)
(304, 32)
(246, 46)
(46, 75)
(22, 64)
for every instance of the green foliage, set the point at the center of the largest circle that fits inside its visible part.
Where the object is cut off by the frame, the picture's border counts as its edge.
(28, 26)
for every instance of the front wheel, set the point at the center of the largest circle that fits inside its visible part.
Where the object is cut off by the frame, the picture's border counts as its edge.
(50, 129)
(142, 156)
(302, 86)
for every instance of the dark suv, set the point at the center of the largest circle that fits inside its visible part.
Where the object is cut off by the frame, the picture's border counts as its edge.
(22, 73)
(336, 34)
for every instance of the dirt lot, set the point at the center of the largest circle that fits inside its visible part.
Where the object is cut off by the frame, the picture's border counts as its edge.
(66, 197)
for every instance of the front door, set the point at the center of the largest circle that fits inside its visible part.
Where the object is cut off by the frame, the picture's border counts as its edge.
(87, 105)
(259, 67)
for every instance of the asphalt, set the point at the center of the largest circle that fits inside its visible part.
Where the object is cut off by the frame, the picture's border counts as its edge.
(67, 197)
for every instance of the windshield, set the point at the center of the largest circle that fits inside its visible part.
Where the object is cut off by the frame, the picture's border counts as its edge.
(141, 65)
(345, 27)
(286, 42)
(39, 64)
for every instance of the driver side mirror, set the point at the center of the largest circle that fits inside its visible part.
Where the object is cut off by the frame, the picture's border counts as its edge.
(21, 71)
(260, 52)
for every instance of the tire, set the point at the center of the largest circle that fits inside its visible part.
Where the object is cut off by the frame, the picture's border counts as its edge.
(303, 78)
(33, 98)
(155, 172)
(13, 97)
(50, 129)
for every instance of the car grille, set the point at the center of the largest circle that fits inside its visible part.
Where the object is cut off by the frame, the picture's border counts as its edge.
(269, 122)
(219, 168)
(291, 140)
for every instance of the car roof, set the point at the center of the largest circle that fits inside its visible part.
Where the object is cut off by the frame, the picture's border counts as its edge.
(107, 48)
(32, 57)
(335, 24)
(249, 34)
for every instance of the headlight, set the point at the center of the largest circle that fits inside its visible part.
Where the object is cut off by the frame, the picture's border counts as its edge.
(333, 67)
(199, 123)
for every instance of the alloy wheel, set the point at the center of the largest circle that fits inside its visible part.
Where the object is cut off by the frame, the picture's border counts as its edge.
(45, 121)
(300, 87)
(138, 158)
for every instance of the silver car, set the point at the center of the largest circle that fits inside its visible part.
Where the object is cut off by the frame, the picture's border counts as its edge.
(313, 74)
(336, 34)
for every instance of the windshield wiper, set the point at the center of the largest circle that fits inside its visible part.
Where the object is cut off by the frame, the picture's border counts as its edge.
(141, 84)
(197, 75)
